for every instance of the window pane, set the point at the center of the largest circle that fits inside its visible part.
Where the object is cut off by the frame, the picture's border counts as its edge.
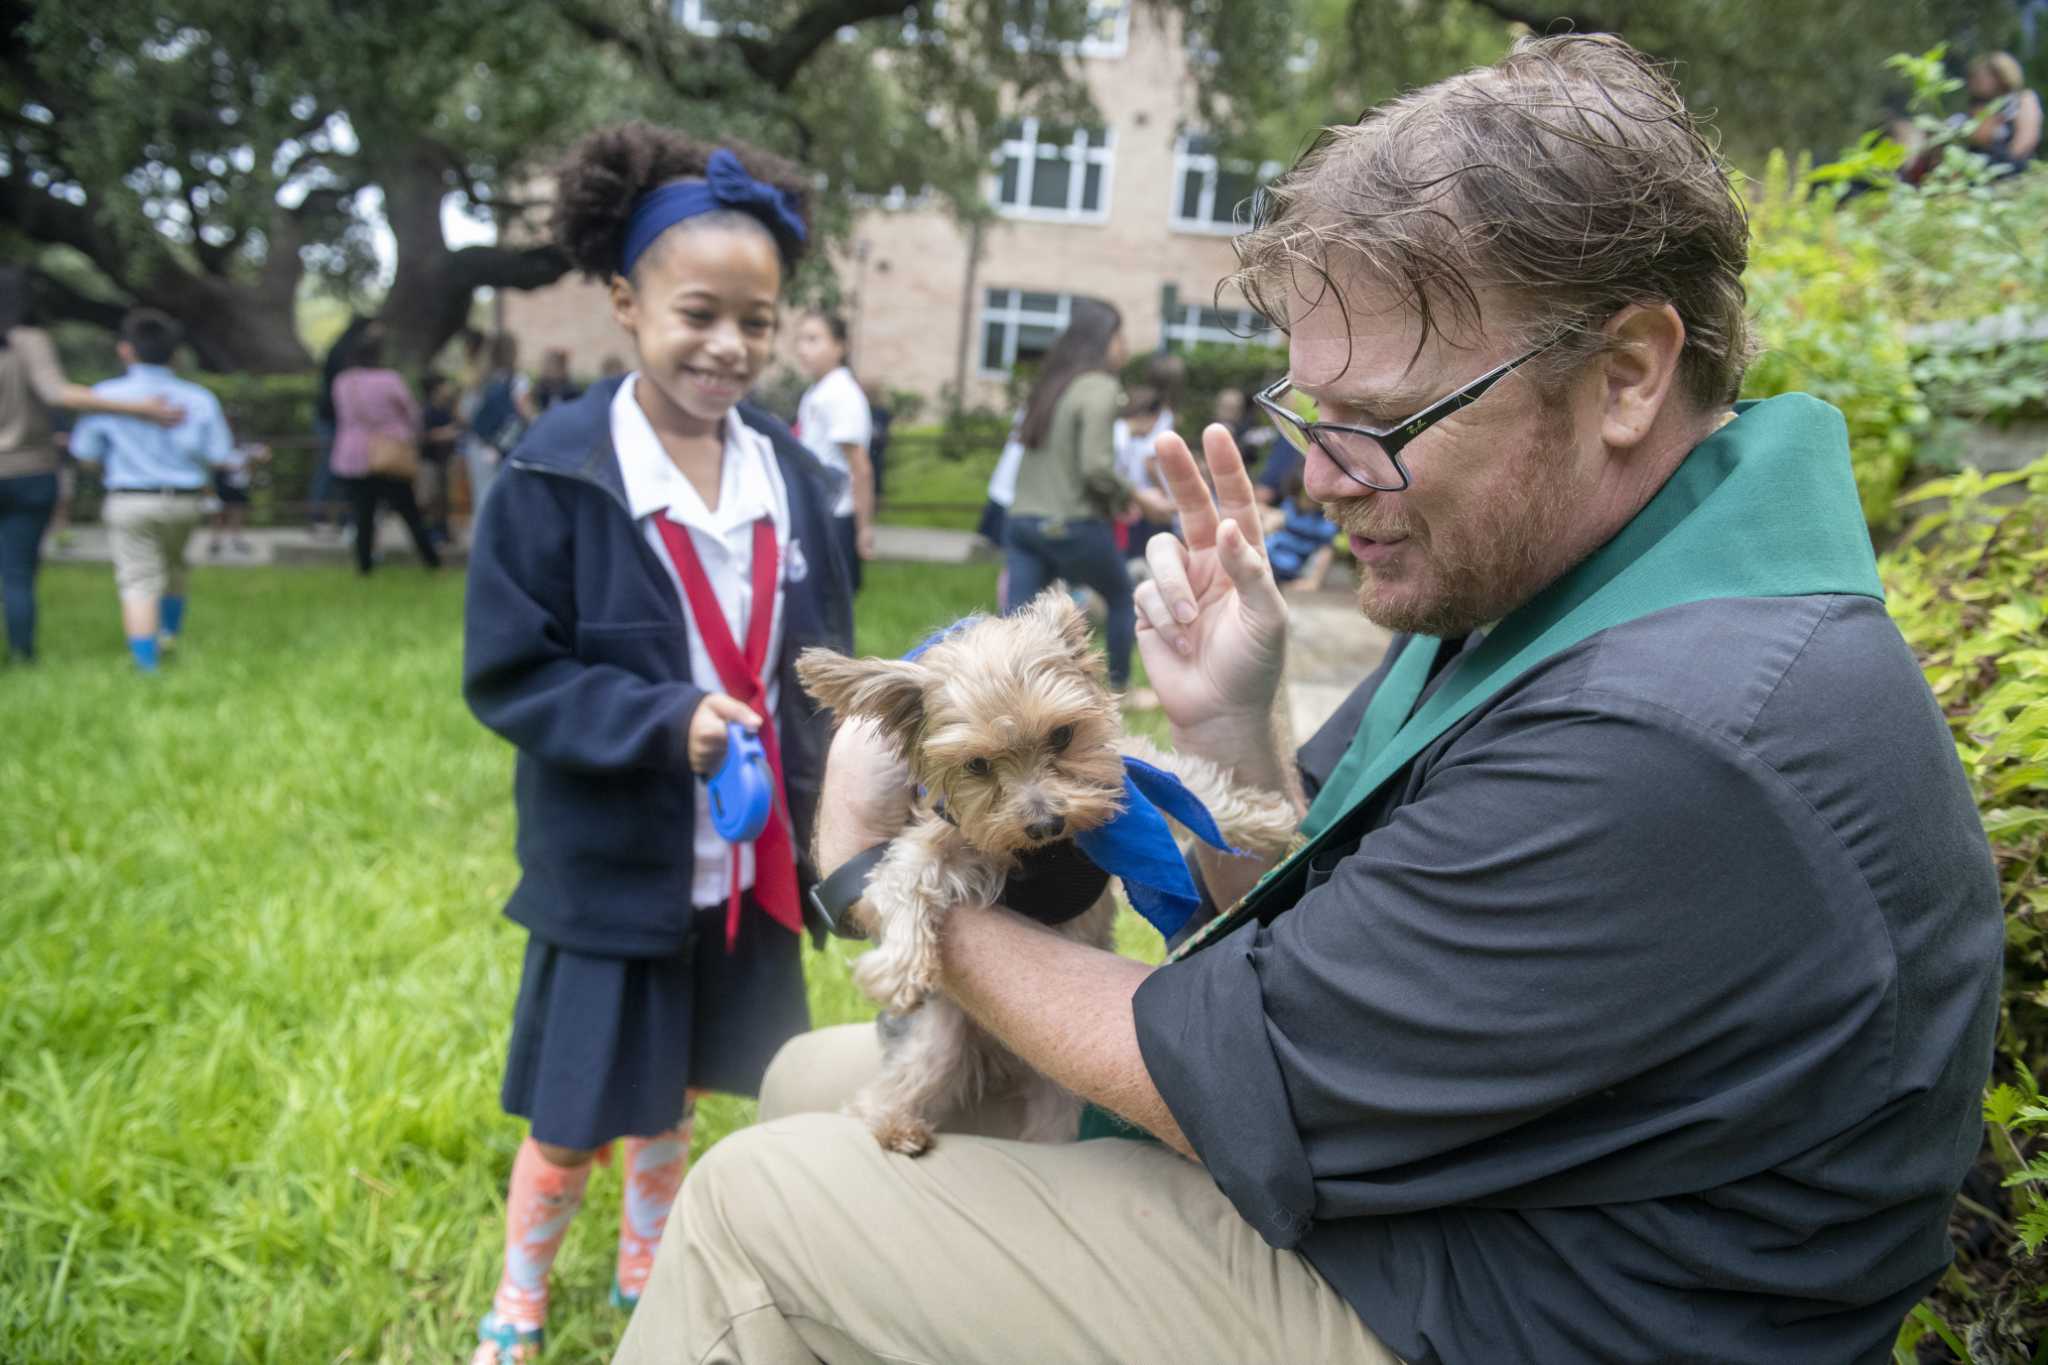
(1006, 188)
(992, 346)
(1091, 189)
(1033, 341)
(999, 298)
(1038, 303)
(1190, 193)
(1049, 183)
(1232, 188)
(1098, 137)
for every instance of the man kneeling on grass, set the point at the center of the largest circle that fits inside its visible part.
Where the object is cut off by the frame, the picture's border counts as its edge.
(1632, 994)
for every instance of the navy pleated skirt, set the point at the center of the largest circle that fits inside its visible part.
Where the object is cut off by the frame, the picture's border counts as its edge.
(606, 1047)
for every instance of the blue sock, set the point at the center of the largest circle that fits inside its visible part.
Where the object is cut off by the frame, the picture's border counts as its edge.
(171, 613)
(144, 651)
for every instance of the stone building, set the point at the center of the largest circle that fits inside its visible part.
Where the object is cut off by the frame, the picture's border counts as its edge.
(1135, 210)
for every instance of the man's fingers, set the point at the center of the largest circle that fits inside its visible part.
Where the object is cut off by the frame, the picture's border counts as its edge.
(1167, 558)
(1245, 561)
(1235, 496)
(1155, 615)
(1190, 492)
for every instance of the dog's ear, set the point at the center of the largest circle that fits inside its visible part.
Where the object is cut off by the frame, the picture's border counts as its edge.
(1055, 610)
(890, 691)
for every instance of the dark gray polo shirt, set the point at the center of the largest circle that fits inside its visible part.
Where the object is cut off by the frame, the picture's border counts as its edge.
(1644, 1020)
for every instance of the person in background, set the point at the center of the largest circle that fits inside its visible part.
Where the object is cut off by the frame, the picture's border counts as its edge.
(995, 513)
(32, 383)
(612, 367)
(231, 500)
(1061, 525)
(1299, 540)
(2005, 116)
(554, 385)
(505, 408)
(156, 479)
(442, 428)
(470, 373)
(372, 402)
(880, 415)
(833, 420)
(321, 496)
(1150, 510)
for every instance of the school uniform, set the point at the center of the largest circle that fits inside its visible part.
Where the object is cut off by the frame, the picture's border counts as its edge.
(582, 649)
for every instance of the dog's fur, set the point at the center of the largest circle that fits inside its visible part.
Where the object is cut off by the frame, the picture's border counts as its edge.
(1009, 727)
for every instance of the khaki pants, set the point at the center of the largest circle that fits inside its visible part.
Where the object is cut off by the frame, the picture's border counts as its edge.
(802, 1240)
(147, 534)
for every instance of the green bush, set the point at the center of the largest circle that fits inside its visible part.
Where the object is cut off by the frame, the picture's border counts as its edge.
(1969, 589)
(1211, 368)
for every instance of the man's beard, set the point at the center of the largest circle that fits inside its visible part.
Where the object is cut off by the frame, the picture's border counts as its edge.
(1499, 554)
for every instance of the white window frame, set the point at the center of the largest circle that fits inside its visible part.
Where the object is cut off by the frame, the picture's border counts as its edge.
(1186, 162)
(1013, 317)
(1182, 326)
(1077, 153)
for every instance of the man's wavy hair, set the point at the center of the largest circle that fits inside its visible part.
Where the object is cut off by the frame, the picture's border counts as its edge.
(1569, 175)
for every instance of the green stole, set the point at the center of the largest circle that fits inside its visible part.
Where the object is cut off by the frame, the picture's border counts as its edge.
(1764, 507)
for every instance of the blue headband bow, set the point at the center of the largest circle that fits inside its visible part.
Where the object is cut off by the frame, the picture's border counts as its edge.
(726, 185)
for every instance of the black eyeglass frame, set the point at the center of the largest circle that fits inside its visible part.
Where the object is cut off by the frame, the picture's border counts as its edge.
(1394, 439)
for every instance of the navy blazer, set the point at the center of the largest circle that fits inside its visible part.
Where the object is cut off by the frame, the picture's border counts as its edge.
(576, 649)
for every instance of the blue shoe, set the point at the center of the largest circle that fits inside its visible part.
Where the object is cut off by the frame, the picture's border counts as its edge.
(498, 1342)
(621, 1299)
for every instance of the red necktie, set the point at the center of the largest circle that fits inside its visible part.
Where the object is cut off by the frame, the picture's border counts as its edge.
(742, 678)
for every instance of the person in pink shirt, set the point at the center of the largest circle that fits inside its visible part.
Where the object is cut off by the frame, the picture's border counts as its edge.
(372, 401)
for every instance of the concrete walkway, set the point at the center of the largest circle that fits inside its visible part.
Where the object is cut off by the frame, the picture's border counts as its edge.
(270, 545)
(1331, 647)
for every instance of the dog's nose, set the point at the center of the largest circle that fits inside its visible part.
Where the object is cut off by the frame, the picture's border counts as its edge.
(1045, 829)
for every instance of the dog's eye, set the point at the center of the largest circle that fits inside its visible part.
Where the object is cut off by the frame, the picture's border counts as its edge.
(1059, 739)
(978, 767)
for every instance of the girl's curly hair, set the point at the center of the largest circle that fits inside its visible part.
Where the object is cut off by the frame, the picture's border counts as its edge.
(605, 174)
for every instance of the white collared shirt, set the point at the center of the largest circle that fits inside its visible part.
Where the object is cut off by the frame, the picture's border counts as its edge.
(749, 487)
(833, 413)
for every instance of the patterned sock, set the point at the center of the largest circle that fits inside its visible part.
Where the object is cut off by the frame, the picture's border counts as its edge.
(538, 1207)
(171, 614)
(144, 650)
(651, 1174)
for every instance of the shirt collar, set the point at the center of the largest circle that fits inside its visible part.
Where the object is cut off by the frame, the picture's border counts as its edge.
(654, 484)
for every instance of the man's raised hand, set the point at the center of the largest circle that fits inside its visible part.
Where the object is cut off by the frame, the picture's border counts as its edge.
(1212, 626)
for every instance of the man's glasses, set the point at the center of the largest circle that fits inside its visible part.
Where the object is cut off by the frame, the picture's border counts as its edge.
(1372, 455)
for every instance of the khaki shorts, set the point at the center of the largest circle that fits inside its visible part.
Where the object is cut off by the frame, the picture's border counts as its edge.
(800, 1240)
(147, 533)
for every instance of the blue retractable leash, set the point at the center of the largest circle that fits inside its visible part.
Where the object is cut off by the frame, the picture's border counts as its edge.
(742, 791)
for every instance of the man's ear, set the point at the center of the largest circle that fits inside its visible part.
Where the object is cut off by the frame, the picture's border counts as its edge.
(1055, 610)
(1641, 369)
(889, 691)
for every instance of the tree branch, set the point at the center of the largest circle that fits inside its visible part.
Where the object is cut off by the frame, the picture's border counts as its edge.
(533, 267)
(778, 60)
(59, 301)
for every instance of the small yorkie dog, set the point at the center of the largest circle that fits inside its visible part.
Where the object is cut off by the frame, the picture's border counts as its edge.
(1016, 744)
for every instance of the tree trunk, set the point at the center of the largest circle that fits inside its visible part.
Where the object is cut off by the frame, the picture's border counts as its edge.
(433, 286)
(242, 327)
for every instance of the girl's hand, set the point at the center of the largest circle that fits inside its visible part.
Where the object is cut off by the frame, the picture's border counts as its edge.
(864, 542)
(1211, 622)
(707, 730)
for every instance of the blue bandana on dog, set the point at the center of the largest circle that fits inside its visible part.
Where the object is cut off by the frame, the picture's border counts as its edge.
(1137, 846)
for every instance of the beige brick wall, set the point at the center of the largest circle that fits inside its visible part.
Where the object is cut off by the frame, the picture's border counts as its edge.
(906, 273)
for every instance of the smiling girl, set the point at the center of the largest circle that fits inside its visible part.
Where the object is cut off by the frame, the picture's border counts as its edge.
(649, 563)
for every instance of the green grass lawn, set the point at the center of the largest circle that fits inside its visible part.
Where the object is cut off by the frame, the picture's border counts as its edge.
(255, 988)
